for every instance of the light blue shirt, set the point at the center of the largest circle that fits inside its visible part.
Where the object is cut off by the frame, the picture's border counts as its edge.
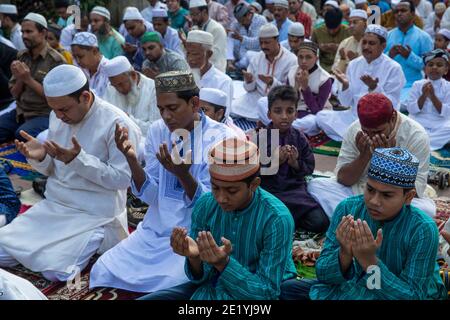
(283, 30)
(172, 42)
(420, 43)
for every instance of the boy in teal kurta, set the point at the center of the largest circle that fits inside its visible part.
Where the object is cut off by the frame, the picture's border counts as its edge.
(254, 228)
(378, 246)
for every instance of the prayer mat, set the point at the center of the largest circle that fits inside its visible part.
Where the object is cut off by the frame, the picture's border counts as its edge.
(305, 272)
(77, 290)
(440, 158)
(322, 144)
(19, 162)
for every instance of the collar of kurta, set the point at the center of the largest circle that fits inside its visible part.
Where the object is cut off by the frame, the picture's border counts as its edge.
(376, 61)
(206, 24)
(250, 207)
(410, 29)
(278, 56)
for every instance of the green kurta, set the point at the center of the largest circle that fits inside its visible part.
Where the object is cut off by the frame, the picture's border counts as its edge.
(261, 259)
(321, 36)
(406, 258)
(111, 46)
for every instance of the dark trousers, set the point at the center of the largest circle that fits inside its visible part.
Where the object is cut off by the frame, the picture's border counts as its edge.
(294, 289)
(181, 292)
(10, 128)
(315, 220)
(9, 202)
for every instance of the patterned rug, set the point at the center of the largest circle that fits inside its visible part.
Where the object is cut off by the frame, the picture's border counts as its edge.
(322, 144)
(19, 162)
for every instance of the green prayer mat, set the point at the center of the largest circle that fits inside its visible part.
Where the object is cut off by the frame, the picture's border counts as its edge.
(305, 272)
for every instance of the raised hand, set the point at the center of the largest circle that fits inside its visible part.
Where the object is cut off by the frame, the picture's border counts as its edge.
(302, 79)
(351, 55)
(381, 141)
(293, 157)
(211, 253)
(173, 162)
(63, 154)
(32, 148)
(266, 79)
(248, 77)
(370, 82)
(364, 246)
(182, 244)
(404, 51)
(342, 78)
(344, 235)
(363, 143)
(393, 52)
(123, 143)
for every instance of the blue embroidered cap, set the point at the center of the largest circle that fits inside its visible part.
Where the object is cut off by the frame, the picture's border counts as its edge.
(394, 166)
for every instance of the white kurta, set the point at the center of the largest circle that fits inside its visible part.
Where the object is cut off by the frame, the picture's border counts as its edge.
(145, 261)
(145, 112)
(13, 287)
(172, 41)
(219, 57)
(390, 83)
(436, 124)
(98, 81)
(87, 194)
(246, 106)
(7, 42)
(216, 79)
(409, 135)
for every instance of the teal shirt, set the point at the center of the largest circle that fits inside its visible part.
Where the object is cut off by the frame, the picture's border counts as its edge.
(177, 20)
(407, 258)
(111, 46)
(261, 259)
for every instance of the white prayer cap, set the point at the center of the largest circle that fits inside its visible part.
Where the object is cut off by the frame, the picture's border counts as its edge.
(360, 1)
(445, 33)
(256, 5)
(199, 36)
(35, 17)
(86, 39)
(197, 3)
(63, 80)
(159, 13)
(269, 30)
(132, 13)
(377, 29)
(270, 1)
(332, 3)
(102, 11)
(8, 9)
(394, 3)
(214, 96)
(116, 66)
(296, 29)
(281, 3)
(358, 13)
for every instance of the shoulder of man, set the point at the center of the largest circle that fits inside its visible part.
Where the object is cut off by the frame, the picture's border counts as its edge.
(56, 56)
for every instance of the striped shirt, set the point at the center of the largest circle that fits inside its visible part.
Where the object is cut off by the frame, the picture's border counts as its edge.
(261, 236)
(406, 259)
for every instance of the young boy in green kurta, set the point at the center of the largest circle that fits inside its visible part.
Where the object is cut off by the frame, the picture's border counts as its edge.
(378, 246)
(255, 230)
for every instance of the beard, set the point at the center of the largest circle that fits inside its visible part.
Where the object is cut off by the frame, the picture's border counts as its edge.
(132, 98)
(197, 75)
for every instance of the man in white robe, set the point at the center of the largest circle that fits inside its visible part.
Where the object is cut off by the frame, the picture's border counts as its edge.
(429, 99)
(134, 94)
(10, 21)
(379, 126)
(200, 17)
(372, 72)
(267, 69)
(145, 261)
(84, 210)
(199, 49)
